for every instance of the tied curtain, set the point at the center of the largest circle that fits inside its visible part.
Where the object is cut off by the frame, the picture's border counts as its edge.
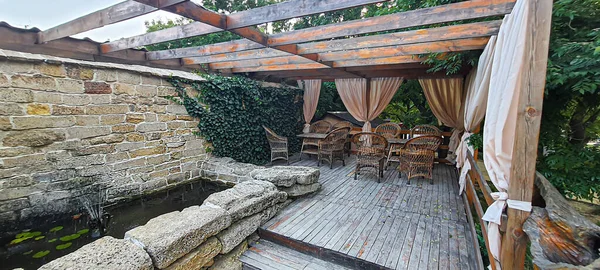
(512, 58)
(477, 85)
(312, 89)
(353, 93)
(445, 97)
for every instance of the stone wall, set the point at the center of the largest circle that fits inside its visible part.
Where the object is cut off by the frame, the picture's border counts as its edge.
(67, 126)
(210, 236)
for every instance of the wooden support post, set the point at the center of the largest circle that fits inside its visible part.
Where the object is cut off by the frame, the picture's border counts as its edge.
(514, 243)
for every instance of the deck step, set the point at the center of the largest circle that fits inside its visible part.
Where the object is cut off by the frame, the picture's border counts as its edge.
(266, 255)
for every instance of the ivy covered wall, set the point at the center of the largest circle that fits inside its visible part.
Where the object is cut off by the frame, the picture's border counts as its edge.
(232, 111)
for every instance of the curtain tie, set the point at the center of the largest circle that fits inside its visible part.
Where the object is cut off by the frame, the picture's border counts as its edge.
(493, 215)
(306, 128)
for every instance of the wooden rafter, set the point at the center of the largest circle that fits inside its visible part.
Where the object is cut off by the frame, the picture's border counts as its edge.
(113, 14)
(441, 14)
(242, 19)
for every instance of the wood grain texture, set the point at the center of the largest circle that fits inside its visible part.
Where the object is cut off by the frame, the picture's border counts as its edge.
(531, 95)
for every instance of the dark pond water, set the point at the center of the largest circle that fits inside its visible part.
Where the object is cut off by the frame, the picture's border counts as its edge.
(59, 238)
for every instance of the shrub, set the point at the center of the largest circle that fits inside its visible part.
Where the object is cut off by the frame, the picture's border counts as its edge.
(232, 111)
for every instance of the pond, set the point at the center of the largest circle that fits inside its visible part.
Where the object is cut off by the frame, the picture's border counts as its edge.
(34, 247)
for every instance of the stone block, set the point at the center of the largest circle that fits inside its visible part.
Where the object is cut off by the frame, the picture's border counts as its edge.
(4, 81)
(104, 253)
(106, 75)
(150, 127)
(5, 123)
(76, 99)
(129, 77)
(79, 161)
(15, 205)
(15, 151)
(185, 118)
(38, 109)
(170, 236)
(123, 88)
(47, 97)
(15, 95)
(167, 91)
(286, 176)
(67, 110)
(175, 124)
(134, 118)
(152, 80)
(155, 160)
(134, 137)
(150, 117)
(18, 192)
(198, 258)
(101, 99)
(36, 122)
(176, 109)
(69, 86)
(146, 90)
(51, 70)
(97, 88)
(300, 190)
(34, 138)
(87, 120)
(17, 181)
(111, 138)
(87, 132)
(107, 109)
(79, 73)
(35, 82)
(237, 232)
(12, 109)
(247, 198)
(16, 67)
(166, 117)
(96, 149)
(131, 163)
(123, 128)
(112, 158)
(231, 260)
(161, 149)
(112, 119)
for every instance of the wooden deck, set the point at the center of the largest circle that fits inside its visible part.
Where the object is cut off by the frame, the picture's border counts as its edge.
(369, 225)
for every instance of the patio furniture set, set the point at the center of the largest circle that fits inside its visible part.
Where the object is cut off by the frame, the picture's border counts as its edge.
(414, 152)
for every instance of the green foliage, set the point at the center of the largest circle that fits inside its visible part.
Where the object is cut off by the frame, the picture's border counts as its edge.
(574, 171)
(63, 246)
(70, 237)
(329, 100)
(409, 106)
(41, 254)
(56, 229)
(156, 25)
(232, 111)
(475, 141)
(452, 62)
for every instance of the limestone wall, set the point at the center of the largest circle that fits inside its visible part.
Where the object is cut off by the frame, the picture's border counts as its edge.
(66, 125)
(210, 236)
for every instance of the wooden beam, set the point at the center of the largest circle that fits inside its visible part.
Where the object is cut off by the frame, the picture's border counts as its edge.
(421, 17)
(241, 19)
(526, 137)
(412, 49)
(471, 30)
(113, 14)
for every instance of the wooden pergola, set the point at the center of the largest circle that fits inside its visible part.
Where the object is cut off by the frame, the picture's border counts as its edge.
(364, 48)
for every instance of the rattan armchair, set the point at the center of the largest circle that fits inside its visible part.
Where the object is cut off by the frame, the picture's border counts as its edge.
(421, 130)
(341, 124)
(388, 130)
(370, 153)
(417, 157)
(311, 146)
(278, 144)
(332, 147)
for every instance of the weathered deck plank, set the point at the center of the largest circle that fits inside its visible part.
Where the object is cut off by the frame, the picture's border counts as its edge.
(391, 224)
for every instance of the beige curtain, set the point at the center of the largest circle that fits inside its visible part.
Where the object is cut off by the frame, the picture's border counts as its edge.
(312, 89)
(512, 57)
(445, 97)
(477, 85)
(353, 93)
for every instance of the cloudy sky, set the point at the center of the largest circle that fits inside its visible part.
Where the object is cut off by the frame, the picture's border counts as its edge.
(45, 14)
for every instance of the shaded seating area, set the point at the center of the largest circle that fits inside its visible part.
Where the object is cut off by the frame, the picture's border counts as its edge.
(332, 147)
(278, 145)
(370, 152)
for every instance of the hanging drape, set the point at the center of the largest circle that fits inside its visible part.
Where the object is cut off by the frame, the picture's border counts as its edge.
(445, 97)
(477, 85)
(512, 58)
(353, 93)
(312, 89)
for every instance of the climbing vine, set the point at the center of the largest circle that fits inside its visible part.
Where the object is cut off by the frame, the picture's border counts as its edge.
(232, 111)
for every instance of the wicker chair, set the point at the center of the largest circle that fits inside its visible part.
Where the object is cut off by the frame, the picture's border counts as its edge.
(309, 145)
(370, 152)
(278, 144)
(388, 130)
(417, 156)
(332, 147)
(341, 124)
(421, 130)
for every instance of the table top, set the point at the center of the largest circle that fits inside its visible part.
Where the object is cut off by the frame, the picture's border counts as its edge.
(312, 135)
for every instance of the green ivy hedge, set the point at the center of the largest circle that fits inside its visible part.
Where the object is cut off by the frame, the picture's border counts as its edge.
(232, 111)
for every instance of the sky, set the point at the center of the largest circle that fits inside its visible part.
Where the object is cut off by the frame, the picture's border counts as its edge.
(45, 14)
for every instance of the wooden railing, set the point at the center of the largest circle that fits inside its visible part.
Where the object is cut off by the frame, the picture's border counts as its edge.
(476, 182)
